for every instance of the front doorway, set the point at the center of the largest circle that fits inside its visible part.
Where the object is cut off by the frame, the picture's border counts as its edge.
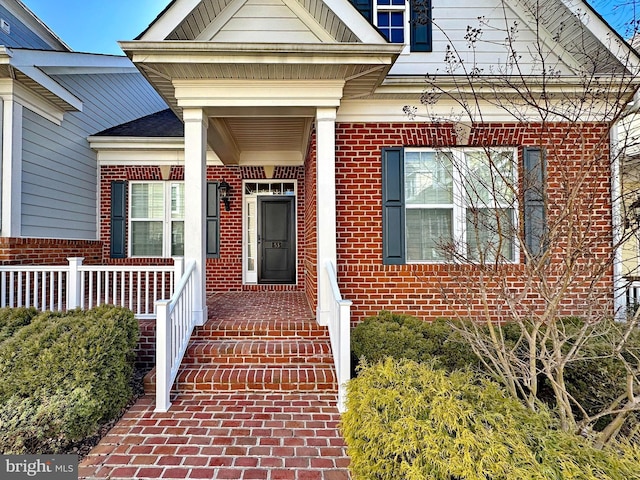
(269, 232)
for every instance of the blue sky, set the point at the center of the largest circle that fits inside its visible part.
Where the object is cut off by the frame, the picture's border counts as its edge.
(96, 25)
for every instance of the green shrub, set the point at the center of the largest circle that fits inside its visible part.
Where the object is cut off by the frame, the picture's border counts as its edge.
(72, 369)
(412, 421)
(403, 336)
(12, 319)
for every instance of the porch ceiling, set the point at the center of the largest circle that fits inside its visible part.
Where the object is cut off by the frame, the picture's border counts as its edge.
(274, 130)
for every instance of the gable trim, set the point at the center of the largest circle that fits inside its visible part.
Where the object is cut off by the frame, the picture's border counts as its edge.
(359, 25)
(220, 21)
(169, 20)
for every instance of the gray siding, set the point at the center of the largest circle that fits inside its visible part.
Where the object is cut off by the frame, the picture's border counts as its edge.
(59, 170)
(21, 36)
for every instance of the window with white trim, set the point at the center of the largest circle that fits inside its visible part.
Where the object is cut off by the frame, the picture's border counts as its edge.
(400, 21)
(461, 204)
(391, 18)
(156, 220)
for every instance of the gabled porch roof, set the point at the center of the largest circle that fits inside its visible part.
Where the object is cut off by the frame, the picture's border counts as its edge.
(261, 97)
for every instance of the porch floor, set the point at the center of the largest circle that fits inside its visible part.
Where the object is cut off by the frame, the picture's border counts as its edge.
(280, 424)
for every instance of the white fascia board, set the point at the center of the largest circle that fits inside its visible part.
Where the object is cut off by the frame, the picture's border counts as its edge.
(26, 16)
(142, 151)
(45, 59)
(39, 64)
(169, 20)
(353, 19)
(10, 90)
(252, 93)
(545, 37)
(604, 33)
(51, 85)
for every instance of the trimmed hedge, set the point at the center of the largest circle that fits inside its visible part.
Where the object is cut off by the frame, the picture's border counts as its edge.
(64, 374)
(413, 421)
(403, 336)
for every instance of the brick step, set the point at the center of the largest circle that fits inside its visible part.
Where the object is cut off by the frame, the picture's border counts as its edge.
(250, 351)
(264, 329)
(259, 377)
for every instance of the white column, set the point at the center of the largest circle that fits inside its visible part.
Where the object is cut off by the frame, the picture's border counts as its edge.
(325, 205)
(11, 168)
(195, 163)
(617, 195)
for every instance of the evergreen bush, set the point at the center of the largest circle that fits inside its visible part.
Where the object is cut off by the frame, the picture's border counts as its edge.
(65, 374)
(404, 336)
(13, 319)
(412, 421)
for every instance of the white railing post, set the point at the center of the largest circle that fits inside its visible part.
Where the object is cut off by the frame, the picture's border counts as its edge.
(74, 283)
(178, 264)
(344, 375)
(163, 356)
(340, 334)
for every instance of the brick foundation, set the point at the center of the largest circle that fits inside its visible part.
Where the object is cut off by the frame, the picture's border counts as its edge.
(146, 349)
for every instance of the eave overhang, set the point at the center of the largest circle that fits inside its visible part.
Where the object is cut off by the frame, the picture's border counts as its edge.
(142, 150)
(362, 67)
(260, 99)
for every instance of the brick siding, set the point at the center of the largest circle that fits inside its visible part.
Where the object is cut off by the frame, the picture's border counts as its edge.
(426, 290)
(436, 290)
(44, 251)
(224, 273)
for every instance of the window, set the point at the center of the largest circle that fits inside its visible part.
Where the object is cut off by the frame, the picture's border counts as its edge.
(451, 204)
(400, 21)
(157, 219)
(390, 18)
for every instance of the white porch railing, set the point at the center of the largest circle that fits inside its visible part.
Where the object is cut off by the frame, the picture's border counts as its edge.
(174, 325)
(340, 333)
(65, 287)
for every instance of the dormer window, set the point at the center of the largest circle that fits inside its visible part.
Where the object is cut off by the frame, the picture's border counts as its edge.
(400, 21)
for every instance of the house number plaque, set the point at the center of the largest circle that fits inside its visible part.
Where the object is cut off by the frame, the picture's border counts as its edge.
(276, 244)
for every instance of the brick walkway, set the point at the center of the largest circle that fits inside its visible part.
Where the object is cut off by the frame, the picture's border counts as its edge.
(256, 399)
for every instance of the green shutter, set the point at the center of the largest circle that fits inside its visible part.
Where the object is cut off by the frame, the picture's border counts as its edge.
(420, 25)
(535, 221)
(213, 221)
(118, 220)
(393, 245)
(365, 7)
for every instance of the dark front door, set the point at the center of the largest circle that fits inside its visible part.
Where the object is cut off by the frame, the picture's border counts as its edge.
(276, 240)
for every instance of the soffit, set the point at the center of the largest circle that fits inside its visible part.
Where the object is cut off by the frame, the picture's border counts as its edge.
(583, 34)
(361, 66)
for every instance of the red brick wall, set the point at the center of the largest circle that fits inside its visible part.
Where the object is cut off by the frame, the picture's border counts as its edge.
(146, 348)
(15, 251)
(431, 290)
(224, 273)
(310, 220)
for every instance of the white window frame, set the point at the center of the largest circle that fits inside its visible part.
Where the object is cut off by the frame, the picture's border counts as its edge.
(167, 217)
(406, 20)
(459, 205)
